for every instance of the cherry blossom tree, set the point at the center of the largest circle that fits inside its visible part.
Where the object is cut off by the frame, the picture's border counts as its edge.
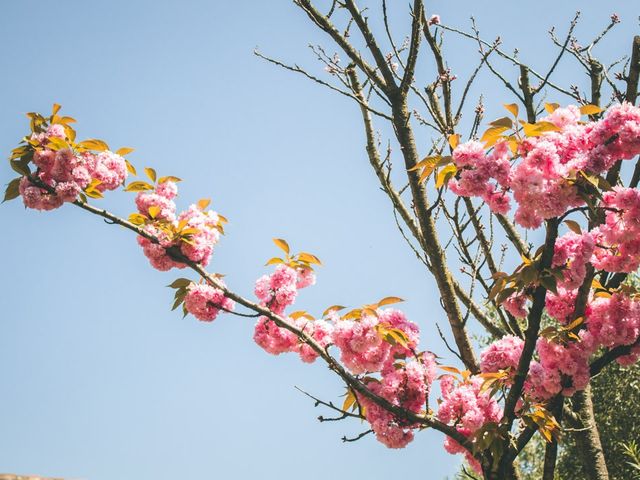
(482, 189)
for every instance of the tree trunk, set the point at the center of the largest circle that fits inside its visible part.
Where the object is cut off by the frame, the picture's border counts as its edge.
(511, 474)
(588, 438)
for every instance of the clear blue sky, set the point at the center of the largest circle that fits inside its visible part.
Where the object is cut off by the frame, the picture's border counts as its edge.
(99, 379)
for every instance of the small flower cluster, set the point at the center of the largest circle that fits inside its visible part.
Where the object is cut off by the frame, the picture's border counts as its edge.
(408, 387)
(484, 176)
(556, 360)
(466, 406)
(205, 302)
(618, 238)
(363, 349)
(193, 233)
(503, 354)
(64, 173)
(573, 251)
(276, 292)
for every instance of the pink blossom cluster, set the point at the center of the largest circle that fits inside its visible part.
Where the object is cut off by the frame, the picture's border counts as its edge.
(362, 348)
(205, 302)
(482, 175)
(573, 251)
(468, 408)
(540, 182)
(516, 305)
(561, 305)
(406, 386)
(558, 360)
(618, 238)
(201, 225)
(609, 322)
(613, 321)
(563, 365)
(276, 292)
(503, 354)
(67, 173)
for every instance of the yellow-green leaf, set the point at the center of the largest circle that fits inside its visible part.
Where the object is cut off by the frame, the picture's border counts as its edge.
(138, 187)
(309, 258)
(66, 120)
(551, 107)
(389, 301)
(93, 144)
(349, 401)
(154, 211)
(57, 143)
(282, 244)
(274, 261)
(502, 122)
(332, 308)
(137, 219)
(124, 151)
(170, 178)
(130, 168)
(93, 193)
(491, 135)
(537, 129)
(578, 321)
(151, 173)
(445, 174)
(204, 203)
(512, 108)
(450, 369)
(454, 140)
(590, 110)
(425, 162)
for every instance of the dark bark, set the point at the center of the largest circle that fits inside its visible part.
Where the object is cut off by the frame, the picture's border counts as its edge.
(588, 437)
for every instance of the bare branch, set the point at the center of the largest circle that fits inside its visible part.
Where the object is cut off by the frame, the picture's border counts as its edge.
(297, 69)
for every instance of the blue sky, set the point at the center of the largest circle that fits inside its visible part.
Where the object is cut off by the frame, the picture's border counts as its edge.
(99, 379)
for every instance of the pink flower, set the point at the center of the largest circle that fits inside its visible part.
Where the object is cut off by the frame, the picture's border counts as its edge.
(502, 354)
(205, 302)
(168, 189)
(107, 167)
(516, 305)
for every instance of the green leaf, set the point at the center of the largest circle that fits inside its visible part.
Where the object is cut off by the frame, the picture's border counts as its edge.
(22, 166)
(180, 282)
(550, 283)
(12, 191)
